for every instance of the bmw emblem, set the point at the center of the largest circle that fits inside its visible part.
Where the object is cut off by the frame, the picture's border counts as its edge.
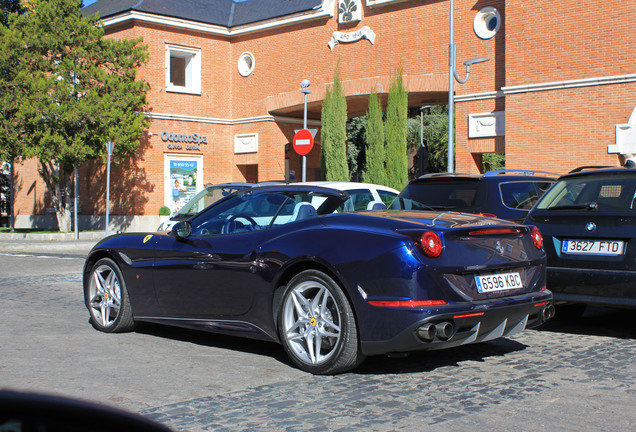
(590, 226)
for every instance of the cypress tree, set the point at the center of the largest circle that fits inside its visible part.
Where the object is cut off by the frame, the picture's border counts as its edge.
(375, 171)
(333, 135)
(396, 143)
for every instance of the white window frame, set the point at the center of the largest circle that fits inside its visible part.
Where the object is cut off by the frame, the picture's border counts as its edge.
(193, 69)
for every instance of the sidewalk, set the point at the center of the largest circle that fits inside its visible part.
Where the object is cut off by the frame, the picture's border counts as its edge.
(50, 242)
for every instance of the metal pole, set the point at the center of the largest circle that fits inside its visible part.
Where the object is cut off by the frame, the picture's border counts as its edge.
(304, 90)
(304, 157)
(421, 150)
(11, 200)
(76, 200)
(109, 147)
(451, 83)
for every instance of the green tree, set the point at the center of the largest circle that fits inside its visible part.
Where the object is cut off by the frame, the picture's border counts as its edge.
(435, 131)
(74, 91)
(493, 161)
(395, 133)
(375, 171)
(333, 135)
(356, 130)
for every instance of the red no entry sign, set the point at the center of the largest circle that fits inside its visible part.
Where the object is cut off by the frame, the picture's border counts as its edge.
(303, 141)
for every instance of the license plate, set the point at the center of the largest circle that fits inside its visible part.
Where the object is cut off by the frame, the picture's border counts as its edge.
(593, 247)
(498, 282)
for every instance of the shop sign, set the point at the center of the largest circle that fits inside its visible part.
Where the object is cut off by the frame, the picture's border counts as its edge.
(181, 141)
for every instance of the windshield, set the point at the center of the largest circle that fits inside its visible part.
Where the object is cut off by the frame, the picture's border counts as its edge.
(599, 193)
(458, 195)
(254, 211)
(207, 196)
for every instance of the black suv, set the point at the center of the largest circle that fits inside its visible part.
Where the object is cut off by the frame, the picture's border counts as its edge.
(506, 194)
(588, 222)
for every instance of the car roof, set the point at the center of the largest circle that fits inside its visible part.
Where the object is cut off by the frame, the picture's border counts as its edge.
(297, 187)
(594, 170)
(500, 174)
(349, 185)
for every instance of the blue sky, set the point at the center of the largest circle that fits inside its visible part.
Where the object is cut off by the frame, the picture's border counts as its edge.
(89, 2)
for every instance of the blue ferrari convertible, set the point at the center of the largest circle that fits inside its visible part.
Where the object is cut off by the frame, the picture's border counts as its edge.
(285, 263)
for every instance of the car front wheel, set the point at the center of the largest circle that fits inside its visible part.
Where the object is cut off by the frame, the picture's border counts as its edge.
(317, 326)
(106, 298)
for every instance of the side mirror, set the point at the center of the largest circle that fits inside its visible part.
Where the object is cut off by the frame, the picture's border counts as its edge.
(181, 230)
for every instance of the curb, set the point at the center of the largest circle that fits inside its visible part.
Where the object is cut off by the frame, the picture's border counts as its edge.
(49, 242)
(89, 235)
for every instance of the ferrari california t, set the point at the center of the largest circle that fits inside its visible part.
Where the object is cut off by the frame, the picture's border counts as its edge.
(281, 263)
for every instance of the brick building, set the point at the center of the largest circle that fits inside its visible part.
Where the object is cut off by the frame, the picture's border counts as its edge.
(225, 100)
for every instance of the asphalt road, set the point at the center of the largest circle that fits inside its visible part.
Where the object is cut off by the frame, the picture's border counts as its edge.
(570, 377)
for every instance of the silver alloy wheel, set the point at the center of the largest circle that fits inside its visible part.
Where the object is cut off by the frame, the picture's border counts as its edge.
(105, 295)
(312, 322)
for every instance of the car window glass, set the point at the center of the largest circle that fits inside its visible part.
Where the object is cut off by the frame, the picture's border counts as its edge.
(243, 213)
(518, 195)
(442, 195)
(602, 193)
(358, 200)
(387, 197)
(206, 197)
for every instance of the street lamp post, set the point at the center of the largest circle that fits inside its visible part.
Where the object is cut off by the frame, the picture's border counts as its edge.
(305, 91)
(110, 145)
(76, 200)
(452, 76)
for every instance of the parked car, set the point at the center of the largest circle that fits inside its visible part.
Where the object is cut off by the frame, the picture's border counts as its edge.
(507, 194)
(362, 196)
(588, 220)
(278, 263)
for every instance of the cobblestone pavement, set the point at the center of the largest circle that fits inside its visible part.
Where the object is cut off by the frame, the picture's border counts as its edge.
(571, 377)
(501, 385)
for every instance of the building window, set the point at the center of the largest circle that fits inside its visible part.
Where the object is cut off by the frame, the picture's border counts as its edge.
(183, 70)
(246, 64)
(487, 22)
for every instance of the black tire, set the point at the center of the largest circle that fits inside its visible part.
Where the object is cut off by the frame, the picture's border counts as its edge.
(106, 298)
(313, 304)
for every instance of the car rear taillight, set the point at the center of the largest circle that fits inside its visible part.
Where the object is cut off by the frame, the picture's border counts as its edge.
(431, 244)
(490, 215)
(494, 231)
(407, 303)
(537, 238)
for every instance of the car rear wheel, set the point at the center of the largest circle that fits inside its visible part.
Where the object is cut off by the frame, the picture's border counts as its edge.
(106, 298)
(317, 326)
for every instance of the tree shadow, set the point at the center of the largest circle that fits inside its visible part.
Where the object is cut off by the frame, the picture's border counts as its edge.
(129, 188)
(414, 362)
